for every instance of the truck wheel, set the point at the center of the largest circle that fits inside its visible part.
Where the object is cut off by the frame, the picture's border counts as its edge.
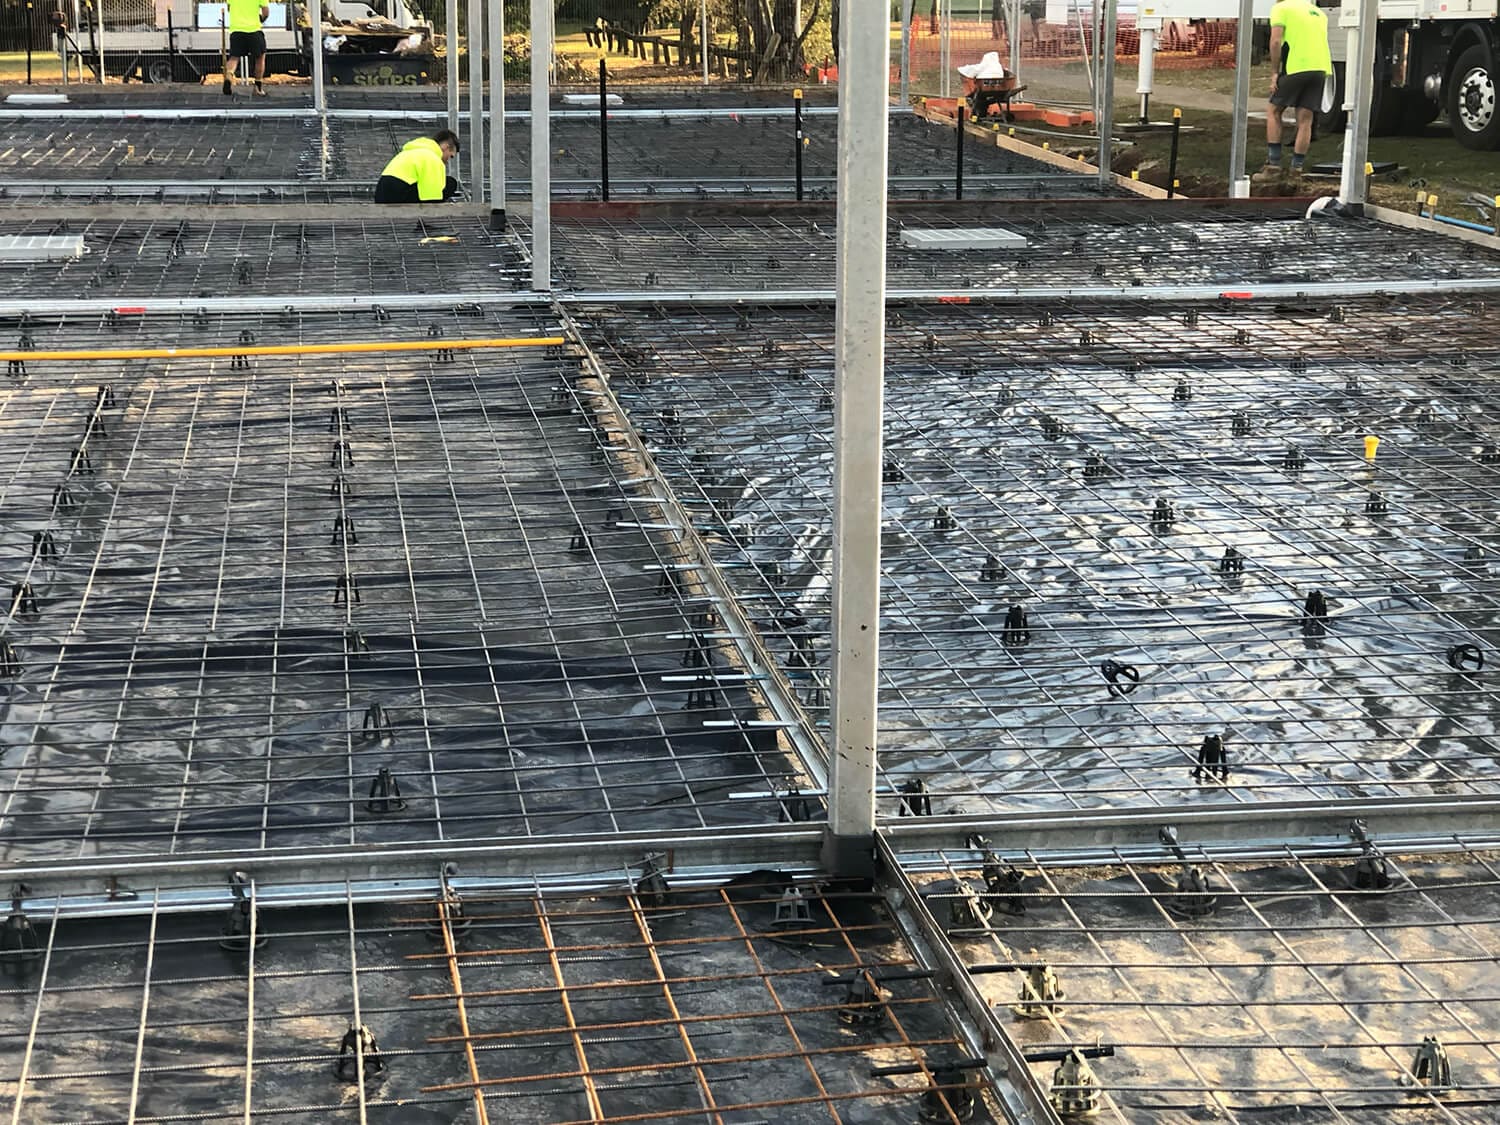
(158, 71)
(1387, 110)
(1472, 112)
(1420, 113)
(1335, 119)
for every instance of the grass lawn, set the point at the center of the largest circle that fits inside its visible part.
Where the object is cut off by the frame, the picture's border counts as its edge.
(1435, 162)
(45, 67)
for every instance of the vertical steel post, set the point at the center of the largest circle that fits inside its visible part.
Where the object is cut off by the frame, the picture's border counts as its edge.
(958, 147)
(1239, 180)
(496, 38)
(603, 129)
(315, 29)
(1015, 36)
(906, 17)
(703, 36)
(1359, 77)
(30, 30)
(797, 136)
(1107, 94)
(945, 46)
(477, 163)
(1172, 159)
(96, 15)
(541, 145)
(859, 363)
(451, 16)
(171, 46)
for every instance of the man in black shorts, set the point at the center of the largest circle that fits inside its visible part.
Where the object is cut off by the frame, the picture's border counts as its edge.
(247, 40)
(1301, 28)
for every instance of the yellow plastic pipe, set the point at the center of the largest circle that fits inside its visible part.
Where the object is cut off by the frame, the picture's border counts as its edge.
(433, 343)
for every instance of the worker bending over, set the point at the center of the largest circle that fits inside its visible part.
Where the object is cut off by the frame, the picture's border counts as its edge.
(1297, 81)
(247, 39)
(419, 172)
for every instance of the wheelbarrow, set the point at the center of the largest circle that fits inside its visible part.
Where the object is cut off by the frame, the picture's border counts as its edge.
(985, 95)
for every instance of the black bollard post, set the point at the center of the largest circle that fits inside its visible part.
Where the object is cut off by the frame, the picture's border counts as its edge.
(29, 29)
(797, 129)
(1172, 160)
(604, 130)
(958, 183)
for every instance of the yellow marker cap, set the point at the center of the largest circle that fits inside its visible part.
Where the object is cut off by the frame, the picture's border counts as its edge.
(1013, 133)
(1372, 443)
(1176, 183)
(797, 93)
(1135, 173)
(1047, 146)
(1176, 113)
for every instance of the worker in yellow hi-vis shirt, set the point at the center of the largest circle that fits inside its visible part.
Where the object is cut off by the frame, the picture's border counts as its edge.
(1301, 28)
(419, 172)
(247, 40)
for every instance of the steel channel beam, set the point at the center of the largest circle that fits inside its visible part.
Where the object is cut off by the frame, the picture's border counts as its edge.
(290, 876)
(1248, 828)
(167, 114)
(47, 308)
(1021, 1097)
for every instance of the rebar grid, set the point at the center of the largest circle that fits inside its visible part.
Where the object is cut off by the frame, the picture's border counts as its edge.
(1108, 245)
(1104, 526)
(1249, 993)
(350, 599)
(717, 153)
(382, 254)
(745, 1002)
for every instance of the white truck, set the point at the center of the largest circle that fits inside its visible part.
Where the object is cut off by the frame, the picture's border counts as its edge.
(179, 40)
(1432, 57)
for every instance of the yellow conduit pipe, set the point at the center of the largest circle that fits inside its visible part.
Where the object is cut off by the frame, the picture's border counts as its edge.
(435, 343)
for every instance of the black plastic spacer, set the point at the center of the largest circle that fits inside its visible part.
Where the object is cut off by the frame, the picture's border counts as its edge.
(1466, 658)
(1315, 614)
(359, 1049)
(1232, 563)
(1376, 504)
(915, 800)
(1294, 460)
(1239, 423)
(23, 599)
(943, 520)
(991, 571)
(1017, 629)
(1122, 678)
(1163, 516)
(1183, 391)
(1212, 760)
(385, 793)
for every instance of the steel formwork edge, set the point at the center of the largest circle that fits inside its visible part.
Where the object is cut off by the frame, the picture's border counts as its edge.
(1230, 831)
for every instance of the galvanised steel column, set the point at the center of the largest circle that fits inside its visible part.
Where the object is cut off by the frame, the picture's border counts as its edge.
(859, 378)
(320, 89)
(1239, 179)
(945, 47)
(451, 18)
(497, 113)
(1107, 94)
(1359, 76)
(906, 14)
(477, 166)
(541, 145)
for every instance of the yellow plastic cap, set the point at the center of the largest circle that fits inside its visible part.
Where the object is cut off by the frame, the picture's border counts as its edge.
(797, 93)
(1372, 443)
(1176, 113)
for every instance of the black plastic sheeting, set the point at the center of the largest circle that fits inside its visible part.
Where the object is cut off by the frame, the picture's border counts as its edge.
(251, 589)
(1092, 466)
